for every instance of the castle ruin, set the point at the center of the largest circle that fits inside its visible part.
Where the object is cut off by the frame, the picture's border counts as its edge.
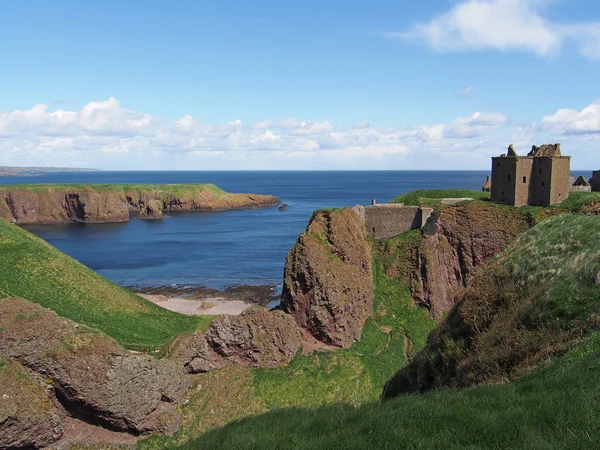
(541, 178)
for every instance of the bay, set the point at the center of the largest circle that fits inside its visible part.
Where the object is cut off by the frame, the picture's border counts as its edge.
(220, 249)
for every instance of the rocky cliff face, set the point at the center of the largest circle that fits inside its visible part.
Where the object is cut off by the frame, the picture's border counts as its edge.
(328, 284)
(456, 240)
(58, 204)
(90, 374)
(256, 338)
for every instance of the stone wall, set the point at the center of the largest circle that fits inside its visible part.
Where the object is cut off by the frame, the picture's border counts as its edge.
(580, 189)
(595, 181)
(391, 219)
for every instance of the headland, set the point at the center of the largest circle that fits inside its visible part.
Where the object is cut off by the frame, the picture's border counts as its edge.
(92, 203)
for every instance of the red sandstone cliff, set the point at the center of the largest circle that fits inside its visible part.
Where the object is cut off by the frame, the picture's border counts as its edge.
(56, 204)
(328, 285)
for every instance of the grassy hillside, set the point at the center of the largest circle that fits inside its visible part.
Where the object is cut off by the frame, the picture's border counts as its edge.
(554, 407)
(178, 190)
(32, 269)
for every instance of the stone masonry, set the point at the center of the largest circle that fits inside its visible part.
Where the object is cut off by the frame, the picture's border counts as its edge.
(391, 219)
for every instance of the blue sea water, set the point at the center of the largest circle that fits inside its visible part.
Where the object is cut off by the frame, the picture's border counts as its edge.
(220, 249)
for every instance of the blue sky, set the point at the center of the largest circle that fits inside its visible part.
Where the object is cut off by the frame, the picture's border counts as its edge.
(296, 85)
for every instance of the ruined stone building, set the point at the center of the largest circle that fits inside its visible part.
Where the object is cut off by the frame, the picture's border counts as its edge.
(487, 185)
(541, 178)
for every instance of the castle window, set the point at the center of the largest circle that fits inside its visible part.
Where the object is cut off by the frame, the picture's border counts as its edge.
(509, 178)
(502, 193)
(497, 164)
(543, 184)
(524, 179)
(540, 171)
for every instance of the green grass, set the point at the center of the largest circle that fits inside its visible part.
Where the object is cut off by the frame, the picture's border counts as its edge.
(433, 196)
(168, 189)
(554, 407)
(576, 200)
(563, 255)
(32, 269)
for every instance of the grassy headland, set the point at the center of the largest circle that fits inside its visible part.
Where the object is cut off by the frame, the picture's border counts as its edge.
(32, 269)
(166, 189)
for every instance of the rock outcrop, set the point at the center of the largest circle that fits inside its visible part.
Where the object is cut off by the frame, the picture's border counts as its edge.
(152, 210)
(93, 377)
(328, 282)
(63, 203)
(256, 338)
(28, 419)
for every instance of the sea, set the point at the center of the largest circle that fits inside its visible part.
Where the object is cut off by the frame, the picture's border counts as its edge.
(228, 248)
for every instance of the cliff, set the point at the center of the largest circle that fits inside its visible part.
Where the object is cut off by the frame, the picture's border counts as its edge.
(328, 285)
(29, 204)
(534, 302)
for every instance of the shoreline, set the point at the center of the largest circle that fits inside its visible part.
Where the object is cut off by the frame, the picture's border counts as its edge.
(199, 300)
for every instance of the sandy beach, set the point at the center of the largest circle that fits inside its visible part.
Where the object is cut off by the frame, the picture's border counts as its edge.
(210, 306)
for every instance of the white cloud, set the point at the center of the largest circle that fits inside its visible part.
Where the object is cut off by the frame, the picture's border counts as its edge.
(571, 121)
(468, 92)
(504, 25)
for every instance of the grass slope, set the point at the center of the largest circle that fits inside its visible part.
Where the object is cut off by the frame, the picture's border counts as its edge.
(32, 269)
(554, 407)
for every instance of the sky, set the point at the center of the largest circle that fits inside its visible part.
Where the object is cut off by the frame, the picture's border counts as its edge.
(310, 85)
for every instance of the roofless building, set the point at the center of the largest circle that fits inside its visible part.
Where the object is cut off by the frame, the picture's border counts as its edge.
(541, 178)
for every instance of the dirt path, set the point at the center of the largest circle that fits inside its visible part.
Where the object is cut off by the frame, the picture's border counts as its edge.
(210, 306)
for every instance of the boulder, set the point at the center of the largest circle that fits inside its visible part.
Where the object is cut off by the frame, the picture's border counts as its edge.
(152, 210)
(28, 419)
(328, 282)
(94, 378)
(256, 338)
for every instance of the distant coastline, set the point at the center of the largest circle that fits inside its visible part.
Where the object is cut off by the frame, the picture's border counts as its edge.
(9, 171)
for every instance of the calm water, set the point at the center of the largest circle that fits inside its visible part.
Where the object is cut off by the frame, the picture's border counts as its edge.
(218, 249)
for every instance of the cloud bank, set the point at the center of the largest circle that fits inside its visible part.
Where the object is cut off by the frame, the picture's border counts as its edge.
(106, 135)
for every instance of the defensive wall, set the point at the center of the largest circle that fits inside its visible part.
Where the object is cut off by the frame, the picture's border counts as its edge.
(390, 219)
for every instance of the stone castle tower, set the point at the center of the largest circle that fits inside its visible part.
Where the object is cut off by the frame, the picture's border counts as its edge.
(541, 178)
